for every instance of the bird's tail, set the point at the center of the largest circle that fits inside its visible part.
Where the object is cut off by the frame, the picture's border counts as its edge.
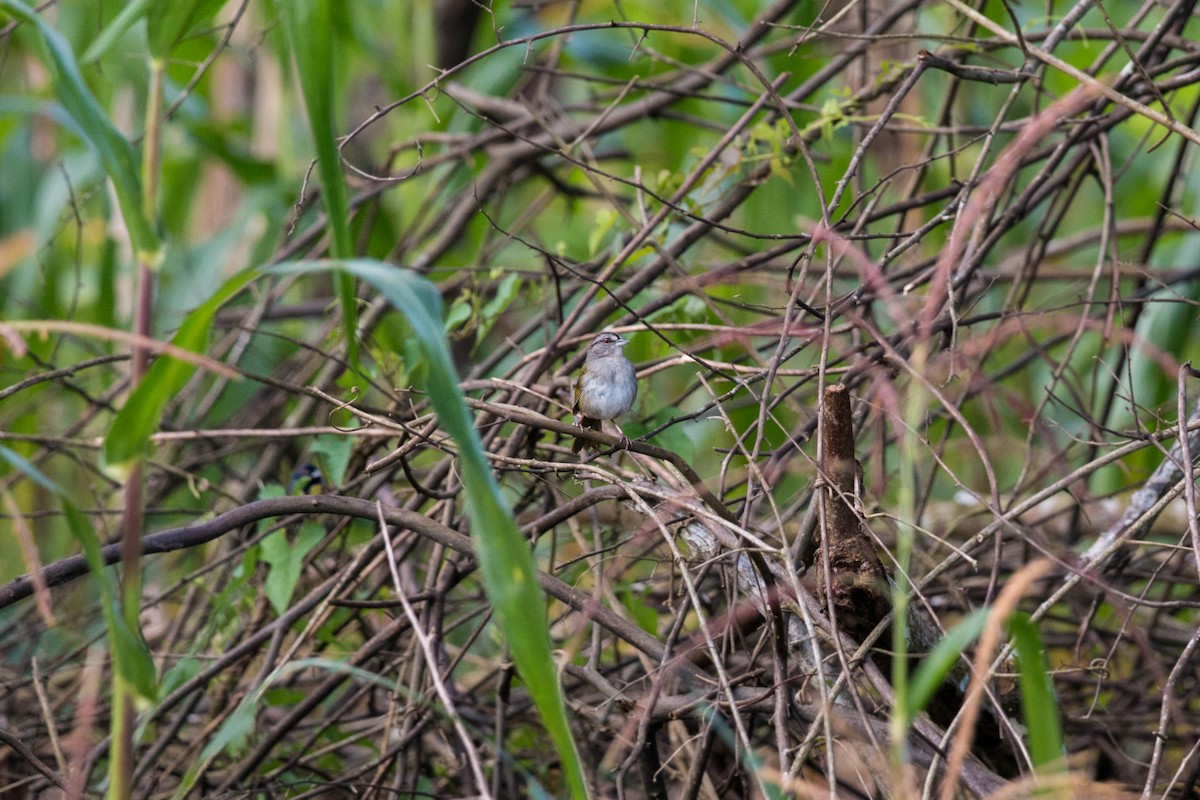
(591, 424)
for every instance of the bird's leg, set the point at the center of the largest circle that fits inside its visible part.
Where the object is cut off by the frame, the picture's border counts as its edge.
(624, 443)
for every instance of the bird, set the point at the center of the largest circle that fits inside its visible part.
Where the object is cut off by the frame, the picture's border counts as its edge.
(307, 479)
(607, 386)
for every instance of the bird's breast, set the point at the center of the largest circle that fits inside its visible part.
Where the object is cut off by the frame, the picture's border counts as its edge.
(608, 391)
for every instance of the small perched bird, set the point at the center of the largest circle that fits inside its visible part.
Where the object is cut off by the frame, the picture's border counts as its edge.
(307, 479)
(607, 385)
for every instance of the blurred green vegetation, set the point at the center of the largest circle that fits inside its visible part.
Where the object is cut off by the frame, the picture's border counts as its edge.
(1058, 350)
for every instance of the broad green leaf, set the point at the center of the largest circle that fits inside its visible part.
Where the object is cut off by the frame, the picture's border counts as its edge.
(115, 152)
(309, 27)
(335, 452)
(506, 292)
(935, 666)
(674, 438)
(180, 673)
(642, 613)
(505, 558)
(460, 312)
(286, 560)
(129, 436)
(605, 219)
(169, 23)
(166, 25)
(1037, 696)
(266, 493)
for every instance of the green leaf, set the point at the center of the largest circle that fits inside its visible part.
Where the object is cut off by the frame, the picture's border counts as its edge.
(235, 732)
(16, 460)
(460, 312)
(266, 493)
(129, 436)
(674, 438)
(642, 613)
(115, 152)
(285, 696)
(335, 451)
(130, 15)
(309, 27)
(934, 668)
(505, 558)
(506, 292)
(605, 219)
(183, 671)
(1038, 702)
(286, 559)
(131, 658)
(169, 23)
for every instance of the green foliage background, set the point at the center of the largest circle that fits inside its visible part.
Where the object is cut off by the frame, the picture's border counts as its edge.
(523, 185)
